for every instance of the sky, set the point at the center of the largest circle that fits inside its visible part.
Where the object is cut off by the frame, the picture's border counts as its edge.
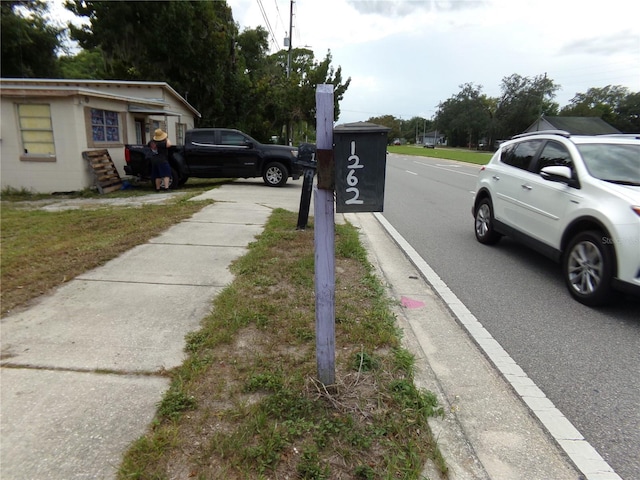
(405, 57)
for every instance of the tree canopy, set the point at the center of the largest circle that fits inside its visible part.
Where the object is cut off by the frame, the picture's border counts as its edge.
(227, 75)
(233, 80)
(613, 103)
(29, 43)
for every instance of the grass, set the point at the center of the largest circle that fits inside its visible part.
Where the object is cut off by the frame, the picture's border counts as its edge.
(459, 154)
(246, 402)
(43, 249)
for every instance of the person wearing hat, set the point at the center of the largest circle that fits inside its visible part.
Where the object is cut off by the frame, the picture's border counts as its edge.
(160, 168)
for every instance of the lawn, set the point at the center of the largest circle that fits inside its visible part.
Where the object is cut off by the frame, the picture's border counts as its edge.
(246, 404)
(459, 154)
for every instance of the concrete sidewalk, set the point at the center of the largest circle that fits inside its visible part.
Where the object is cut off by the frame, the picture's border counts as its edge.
(82, 369)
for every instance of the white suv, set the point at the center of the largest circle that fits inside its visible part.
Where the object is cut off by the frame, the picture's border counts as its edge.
(573, 198)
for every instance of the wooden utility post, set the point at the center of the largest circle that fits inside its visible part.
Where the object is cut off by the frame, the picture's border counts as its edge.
(324, 237)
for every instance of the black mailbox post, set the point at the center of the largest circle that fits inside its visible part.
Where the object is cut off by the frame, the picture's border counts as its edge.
(306, 158)
(360, 154)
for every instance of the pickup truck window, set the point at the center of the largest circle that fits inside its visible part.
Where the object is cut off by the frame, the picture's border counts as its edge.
(233, 138)
(203, 138)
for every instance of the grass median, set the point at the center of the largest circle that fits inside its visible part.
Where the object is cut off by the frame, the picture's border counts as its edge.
(246, 402)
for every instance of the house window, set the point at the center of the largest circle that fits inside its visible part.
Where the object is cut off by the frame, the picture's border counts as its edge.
(105, 126)
(36, 130)
(181, 128)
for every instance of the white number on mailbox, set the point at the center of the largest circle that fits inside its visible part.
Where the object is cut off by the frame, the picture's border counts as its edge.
(352, 180)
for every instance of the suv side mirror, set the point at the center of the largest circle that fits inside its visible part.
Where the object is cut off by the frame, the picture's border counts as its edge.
(559, 173)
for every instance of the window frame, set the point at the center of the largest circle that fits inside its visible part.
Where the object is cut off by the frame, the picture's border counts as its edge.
(35, 157)
(91, 142)
(181, 131)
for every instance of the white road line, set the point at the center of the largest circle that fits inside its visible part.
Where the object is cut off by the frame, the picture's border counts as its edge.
(447, 169)
(412, 173)
(581, 453)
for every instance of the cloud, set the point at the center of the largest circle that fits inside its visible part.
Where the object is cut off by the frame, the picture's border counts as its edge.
(405, 8)
(617, 43)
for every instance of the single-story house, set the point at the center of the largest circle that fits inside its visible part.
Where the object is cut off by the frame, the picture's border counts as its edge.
(573, 125)
(46, 125)
(432, 138)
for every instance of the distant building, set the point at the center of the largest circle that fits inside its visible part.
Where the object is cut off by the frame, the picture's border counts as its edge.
(47, 124)
(573, 125)
(433, 138)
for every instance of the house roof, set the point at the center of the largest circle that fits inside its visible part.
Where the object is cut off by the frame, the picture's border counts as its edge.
(574, 125)
(95, 88)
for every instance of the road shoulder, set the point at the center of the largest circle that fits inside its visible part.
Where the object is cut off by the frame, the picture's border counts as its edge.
(487, 432)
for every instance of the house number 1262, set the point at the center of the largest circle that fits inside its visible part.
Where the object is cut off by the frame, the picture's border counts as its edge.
(352, 180)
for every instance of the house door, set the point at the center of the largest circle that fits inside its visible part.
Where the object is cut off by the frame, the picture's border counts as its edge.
(140, 136)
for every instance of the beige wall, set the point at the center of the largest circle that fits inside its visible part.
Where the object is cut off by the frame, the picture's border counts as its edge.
(67, 172)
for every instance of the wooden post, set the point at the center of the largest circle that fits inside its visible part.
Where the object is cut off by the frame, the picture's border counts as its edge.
(324, 238)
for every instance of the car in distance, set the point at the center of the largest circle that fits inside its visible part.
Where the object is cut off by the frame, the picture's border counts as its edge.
(575, 199)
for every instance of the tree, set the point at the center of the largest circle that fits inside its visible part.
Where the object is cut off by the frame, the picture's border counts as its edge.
(523, 101)
(297, 90)
(29, 44)
(391, 122)
(465, 118)
(628, 120)
(148, 41)
(87, 64)
(613, 103)
(228, 76)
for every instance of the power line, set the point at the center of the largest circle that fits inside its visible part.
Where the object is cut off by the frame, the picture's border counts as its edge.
(266, 21)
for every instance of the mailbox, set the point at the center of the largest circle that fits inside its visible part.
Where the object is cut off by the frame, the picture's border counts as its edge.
(360, 155)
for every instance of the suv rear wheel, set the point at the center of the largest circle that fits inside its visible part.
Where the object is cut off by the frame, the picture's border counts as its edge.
(588, 268)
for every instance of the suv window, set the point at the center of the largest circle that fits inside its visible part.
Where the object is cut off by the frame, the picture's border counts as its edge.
(554, 154)
(613, 163)
(521, 154)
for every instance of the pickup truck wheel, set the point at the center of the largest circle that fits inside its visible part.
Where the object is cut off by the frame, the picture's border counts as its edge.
(275, 174)
(175, 179)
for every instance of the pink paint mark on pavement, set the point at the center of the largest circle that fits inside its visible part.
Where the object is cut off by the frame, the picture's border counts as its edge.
(411, 303)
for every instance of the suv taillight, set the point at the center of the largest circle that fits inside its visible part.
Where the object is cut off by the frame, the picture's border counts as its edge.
(127, 155)
(636, 208)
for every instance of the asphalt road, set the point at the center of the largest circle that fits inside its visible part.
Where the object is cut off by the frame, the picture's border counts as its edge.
(587, 361)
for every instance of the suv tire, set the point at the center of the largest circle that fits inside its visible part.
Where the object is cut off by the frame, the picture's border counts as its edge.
(588, 268)
(484, 223)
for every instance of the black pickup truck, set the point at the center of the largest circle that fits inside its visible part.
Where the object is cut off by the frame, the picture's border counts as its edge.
(219, 153)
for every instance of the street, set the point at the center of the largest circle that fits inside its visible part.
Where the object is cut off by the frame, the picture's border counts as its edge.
(586, 361)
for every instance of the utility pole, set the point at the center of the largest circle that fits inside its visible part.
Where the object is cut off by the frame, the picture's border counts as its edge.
(289, 124)
(290, 39)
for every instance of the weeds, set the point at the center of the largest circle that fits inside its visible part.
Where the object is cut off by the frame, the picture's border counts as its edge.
(247, 404)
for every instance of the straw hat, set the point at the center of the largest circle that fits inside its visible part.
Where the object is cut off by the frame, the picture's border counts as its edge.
(159, 135)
